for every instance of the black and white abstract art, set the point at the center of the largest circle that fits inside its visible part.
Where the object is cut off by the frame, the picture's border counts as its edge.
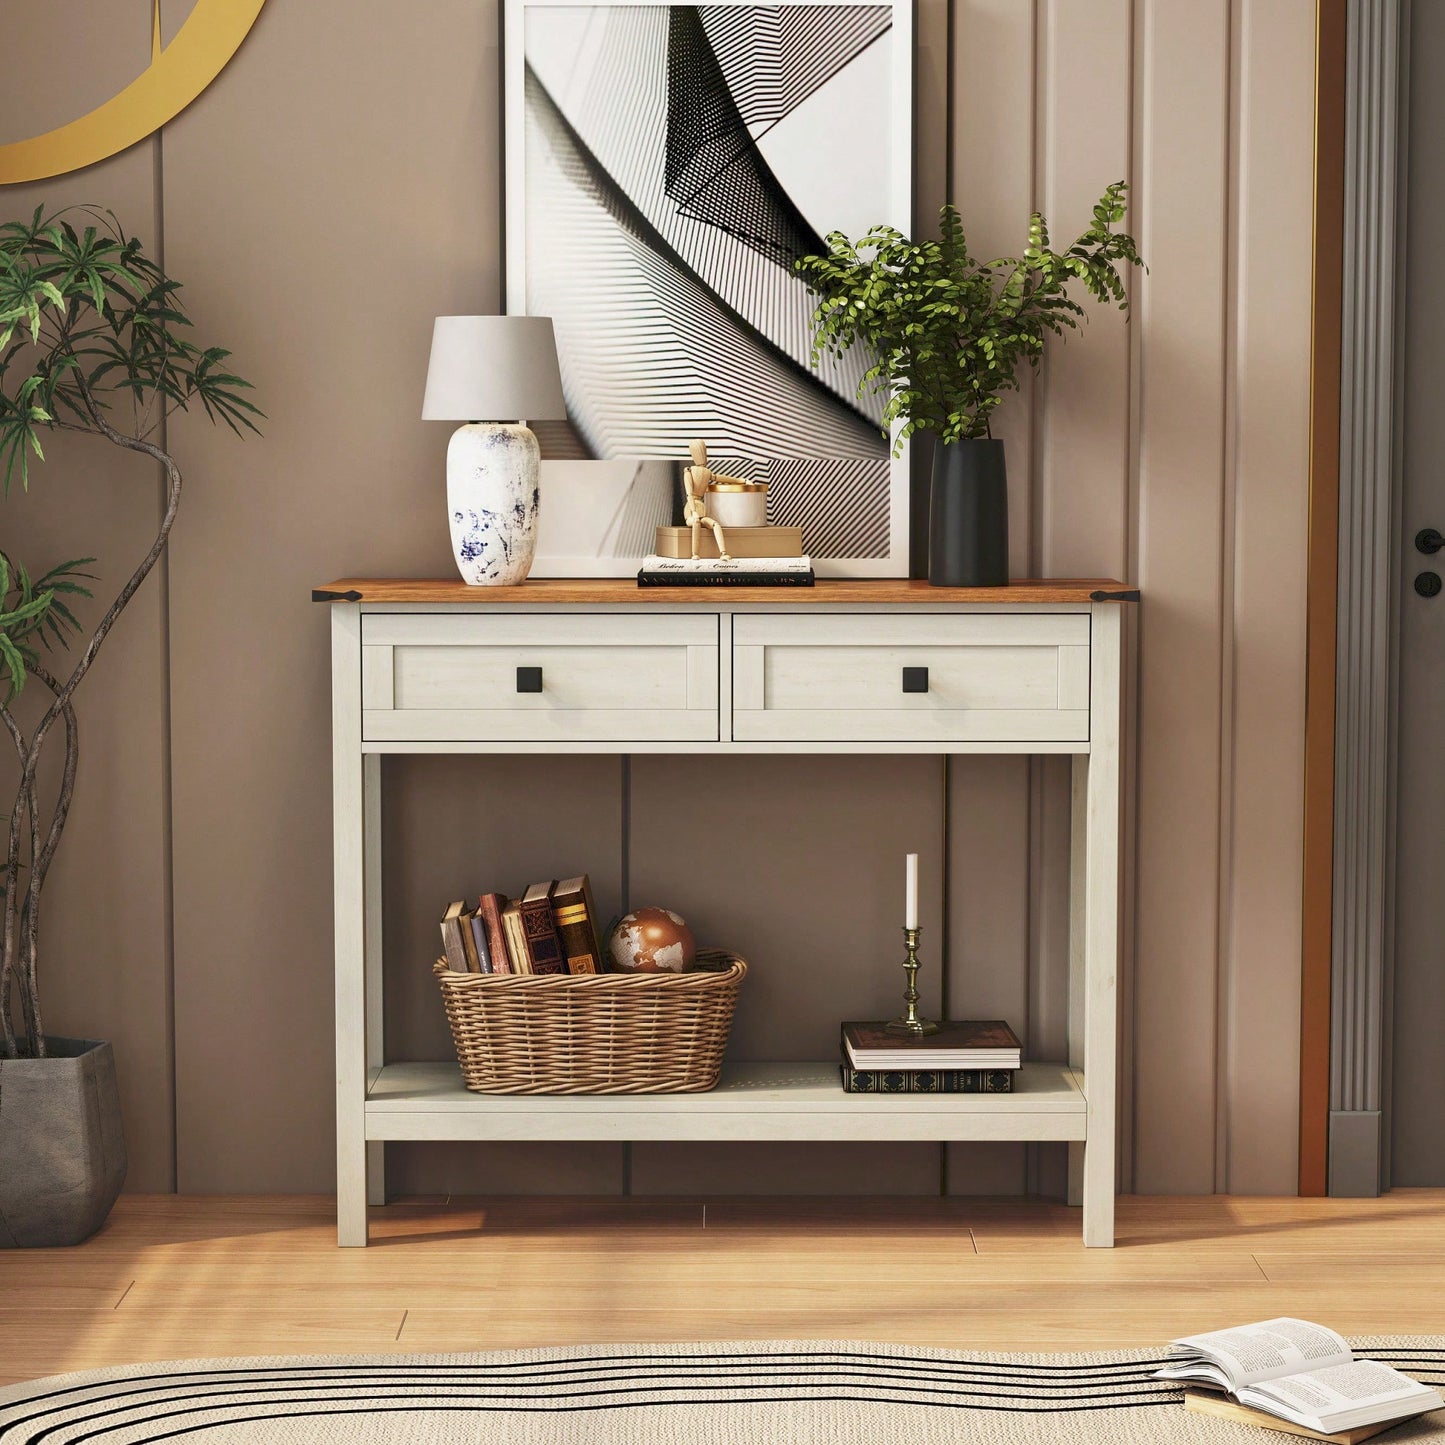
(667, 165)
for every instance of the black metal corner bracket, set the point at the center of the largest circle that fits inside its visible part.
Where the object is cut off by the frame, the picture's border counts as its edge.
(320, 594)
(1129, 595)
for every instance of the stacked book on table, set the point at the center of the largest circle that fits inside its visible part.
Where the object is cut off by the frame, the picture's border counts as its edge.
(757, 557)
(551, 928)
(963, 1057)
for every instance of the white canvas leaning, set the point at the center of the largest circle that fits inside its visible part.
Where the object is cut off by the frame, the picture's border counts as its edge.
(665, 164)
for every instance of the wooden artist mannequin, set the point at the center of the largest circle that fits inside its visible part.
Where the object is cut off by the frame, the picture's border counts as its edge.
(697, 479)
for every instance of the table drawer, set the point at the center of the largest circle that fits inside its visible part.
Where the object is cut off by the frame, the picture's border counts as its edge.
(539, 678)
(995, 677)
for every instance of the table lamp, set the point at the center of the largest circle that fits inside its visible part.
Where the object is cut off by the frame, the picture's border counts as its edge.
(489, 372)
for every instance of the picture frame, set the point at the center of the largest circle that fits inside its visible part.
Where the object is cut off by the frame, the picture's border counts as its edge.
(665, 164)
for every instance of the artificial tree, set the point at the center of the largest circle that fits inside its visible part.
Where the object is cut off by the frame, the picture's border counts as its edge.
(92, 340)
(950, 331)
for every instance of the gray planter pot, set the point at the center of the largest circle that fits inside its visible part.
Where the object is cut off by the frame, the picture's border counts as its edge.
(62, 1149)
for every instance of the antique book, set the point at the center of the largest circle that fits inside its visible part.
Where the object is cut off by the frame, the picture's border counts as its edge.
(712, 566)
(962, 1044)
(489, 910)
(925, 1081)
(539, 931)
(742, 542)
(469, 941)
(512, 932)
(452, 937)
(478, 926)
(576, 918)
(725, 575)
(1299, 1372)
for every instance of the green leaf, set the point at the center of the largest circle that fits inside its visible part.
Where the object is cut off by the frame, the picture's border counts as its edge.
(100, 327)
(944, 332)
(14, 664)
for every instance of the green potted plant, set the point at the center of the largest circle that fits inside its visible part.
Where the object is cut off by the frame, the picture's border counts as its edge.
(950, 333)
(92, 340)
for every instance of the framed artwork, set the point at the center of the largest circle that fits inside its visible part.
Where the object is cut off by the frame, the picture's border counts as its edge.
(666, 164)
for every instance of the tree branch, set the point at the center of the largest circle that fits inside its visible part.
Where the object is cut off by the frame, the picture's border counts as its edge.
(67, 689)
(24, 803)
(40, 860)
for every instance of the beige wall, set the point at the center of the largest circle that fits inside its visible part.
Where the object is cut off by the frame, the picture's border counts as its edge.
(336, 188)
(106, 929)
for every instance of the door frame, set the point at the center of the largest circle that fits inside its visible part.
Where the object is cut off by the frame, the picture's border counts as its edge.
(1323, 587)
(1345, 1025)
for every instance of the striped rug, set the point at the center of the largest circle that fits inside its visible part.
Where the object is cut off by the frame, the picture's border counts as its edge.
(770, 1393)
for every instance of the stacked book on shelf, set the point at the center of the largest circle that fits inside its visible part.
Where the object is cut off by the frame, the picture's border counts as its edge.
(551, 928)
(757, 557)
(963, 1057)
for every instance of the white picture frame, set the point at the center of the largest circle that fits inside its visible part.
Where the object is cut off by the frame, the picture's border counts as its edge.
(579, 509)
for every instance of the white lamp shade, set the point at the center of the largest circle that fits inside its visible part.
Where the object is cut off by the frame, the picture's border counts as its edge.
(493, 368)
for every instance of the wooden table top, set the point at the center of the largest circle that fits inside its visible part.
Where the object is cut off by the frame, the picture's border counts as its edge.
(885, 591)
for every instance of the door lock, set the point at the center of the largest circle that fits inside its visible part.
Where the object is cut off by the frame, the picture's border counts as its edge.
(1428, 584)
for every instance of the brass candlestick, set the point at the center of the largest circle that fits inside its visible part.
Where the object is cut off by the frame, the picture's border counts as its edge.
(912, 1022)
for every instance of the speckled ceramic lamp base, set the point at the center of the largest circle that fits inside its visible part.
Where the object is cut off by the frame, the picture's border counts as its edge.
(492, 502)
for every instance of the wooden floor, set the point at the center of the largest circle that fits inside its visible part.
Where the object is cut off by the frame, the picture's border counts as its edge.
(173, 1278)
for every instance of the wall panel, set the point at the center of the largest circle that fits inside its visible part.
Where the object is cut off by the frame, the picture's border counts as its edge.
(797, 864)
(1082, 463)
(336, 188)
(988, 933)
(1269, 400)
(995, 88)
(1182, 79)
(104, 928)
(1084, 481)
(995, 98)
(453, 828)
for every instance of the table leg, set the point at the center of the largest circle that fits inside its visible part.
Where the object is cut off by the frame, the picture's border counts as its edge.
(1101, 923)
(1078, 880)
(349, 906)
(375, 1013)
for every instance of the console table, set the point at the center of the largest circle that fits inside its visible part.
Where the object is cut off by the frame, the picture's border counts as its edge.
(574, 666)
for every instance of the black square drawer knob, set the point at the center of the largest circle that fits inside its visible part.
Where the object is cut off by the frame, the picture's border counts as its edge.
(915, 679)
(529, 679)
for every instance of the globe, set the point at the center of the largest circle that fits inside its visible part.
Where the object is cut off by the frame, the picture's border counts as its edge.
(652, 940)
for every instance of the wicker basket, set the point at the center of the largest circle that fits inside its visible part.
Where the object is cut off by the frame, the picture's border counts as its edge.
(606, 1033)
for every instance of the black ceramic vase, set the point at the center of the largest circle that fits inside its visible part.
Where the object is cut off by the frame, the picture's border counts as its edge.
(968, 515)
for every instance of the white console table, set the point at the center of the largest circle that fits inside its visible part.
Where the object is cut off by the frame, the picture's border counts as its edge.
(607, 667)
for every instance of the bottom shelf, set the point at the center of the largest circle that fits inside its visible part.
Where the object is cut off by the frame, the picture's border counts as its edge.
(754, 1101)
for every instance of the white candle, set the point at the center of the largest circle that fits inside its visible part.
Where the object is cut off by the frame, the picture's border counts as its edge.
(910, 908)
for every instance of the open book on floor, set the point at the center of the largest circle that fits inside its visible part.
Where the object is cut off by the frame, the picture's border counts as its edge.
(1299, 1372)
